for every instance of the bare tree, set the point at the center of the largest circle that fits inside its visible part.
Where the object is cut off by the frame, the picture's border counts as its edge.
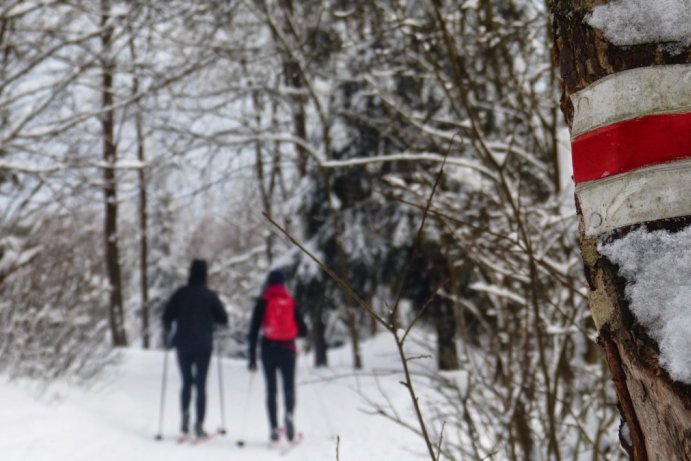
(110, 230)
(143, 204)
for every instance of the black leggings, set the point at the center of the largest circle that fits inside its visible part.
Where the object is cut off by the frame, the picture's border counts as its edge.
(278, 359)
(194, 366)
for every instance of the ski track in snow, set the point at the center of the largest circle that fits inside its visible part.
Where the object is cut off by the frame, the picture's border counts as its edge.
(117, 418)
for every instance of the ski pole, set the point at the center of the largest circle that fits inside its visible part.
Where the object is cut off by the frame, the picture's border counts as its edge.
(241, 440)
(161, 405)
(222, 429)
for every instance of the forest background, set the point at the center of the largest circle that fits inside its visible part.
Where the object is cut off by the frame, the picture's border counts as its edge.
(415, 149)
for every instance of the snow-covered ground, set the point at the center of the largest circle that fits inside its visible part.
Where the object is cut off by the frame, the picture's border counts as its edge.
(116, 419)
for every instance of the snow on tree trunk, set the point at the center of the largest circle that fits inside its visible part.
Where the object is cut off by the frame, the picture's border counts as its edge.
(605, 50)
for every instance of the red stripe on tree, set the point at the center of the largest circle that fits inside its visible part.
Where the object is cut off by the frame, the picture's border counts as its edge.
(629, 145)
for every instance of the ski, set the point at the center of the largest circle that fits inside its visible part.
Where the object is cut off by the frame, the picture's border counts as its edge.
(274, 444)
(290, 444)
(202, 439)
(187, 439)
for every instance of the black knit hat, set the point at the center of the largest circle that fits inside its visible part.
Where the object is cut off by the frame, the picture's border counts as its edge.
(198, 271)
(276, 277)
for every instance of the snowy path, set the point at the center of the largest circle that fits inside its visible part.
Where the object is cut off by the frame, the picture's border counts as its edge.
(118, 418)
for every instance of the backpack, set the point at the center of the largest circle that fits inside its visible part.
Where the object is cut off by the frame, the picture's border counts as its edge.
(279, 315)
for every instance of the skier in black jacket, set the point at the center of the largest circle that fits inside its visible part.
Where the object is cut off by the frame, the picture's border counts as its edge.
(195, 309)
(280, 322)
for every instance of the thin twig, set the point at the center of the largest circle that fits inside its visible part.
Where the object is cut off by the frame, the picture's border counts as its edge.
(349, 291)
(421, 312)
(418, 238)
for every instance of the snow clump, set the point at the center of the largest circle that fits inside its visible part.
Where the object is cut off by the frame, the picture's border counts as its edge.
(635, 22)
(657, 267)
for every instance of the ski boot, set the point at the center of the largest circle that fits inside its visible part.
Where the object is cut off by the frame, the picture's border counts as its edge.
(199, 431)
(274, 436)
(290, 426)
(185, 426)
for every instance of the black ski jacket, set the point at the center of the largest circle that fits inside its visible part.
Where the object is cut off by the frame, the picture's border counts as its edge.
(195, 309)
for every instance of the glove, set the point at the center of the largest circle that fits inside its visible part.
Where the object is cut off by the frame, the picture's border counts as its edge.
(302, 346)
(252, 366)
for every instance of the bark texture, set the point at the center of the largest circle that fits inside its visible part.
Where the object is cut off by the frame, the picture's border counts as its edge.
(294, 79)
(143, 205)
(656, 410)
(112, 249)
(144, 234)
(445, 323)
(319, 340)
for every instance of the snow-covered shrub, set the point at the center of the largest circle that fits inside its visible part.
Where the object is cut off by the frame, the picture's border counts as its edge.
(54, 311)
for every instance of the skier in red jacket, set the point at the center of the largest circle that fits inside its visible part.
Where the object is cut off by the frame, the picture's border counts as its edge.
(279, 320)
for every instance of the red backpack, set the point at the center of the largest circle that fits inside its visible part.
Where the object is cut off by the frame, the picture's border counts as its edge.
(279, 315)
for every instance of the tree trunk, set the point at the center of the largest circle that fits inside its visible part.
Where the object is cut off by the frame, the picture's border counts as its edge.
(655, 409)
(116, 317)
(373, 325)
(445, 323)
(143, 216)
(143, 239)
(353, 331)
(293, 78)
(318, 332)
(266, 191)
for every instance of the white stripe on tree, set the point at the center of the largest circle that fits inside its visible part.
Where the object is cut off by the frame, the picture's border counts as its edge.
(632, 94)
(648, 194)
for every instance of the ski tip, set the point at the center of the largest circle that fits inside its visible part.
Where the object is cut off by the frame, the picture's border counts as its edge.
(199, 440)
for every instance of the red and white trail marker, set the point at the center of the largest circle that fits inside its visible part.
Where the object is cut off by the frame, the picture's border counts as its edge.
(631, 147)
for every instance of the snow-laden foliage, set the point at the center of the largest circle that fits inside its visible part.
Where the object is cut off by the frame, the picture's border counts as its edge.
(53, 312)
(471, 83)
(343, 121)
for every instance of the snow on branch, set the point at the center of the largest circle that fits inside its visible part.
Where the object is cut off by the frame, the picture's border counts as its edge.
(32, 168)
(499, 292)
(408, 157)
(248, 256)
